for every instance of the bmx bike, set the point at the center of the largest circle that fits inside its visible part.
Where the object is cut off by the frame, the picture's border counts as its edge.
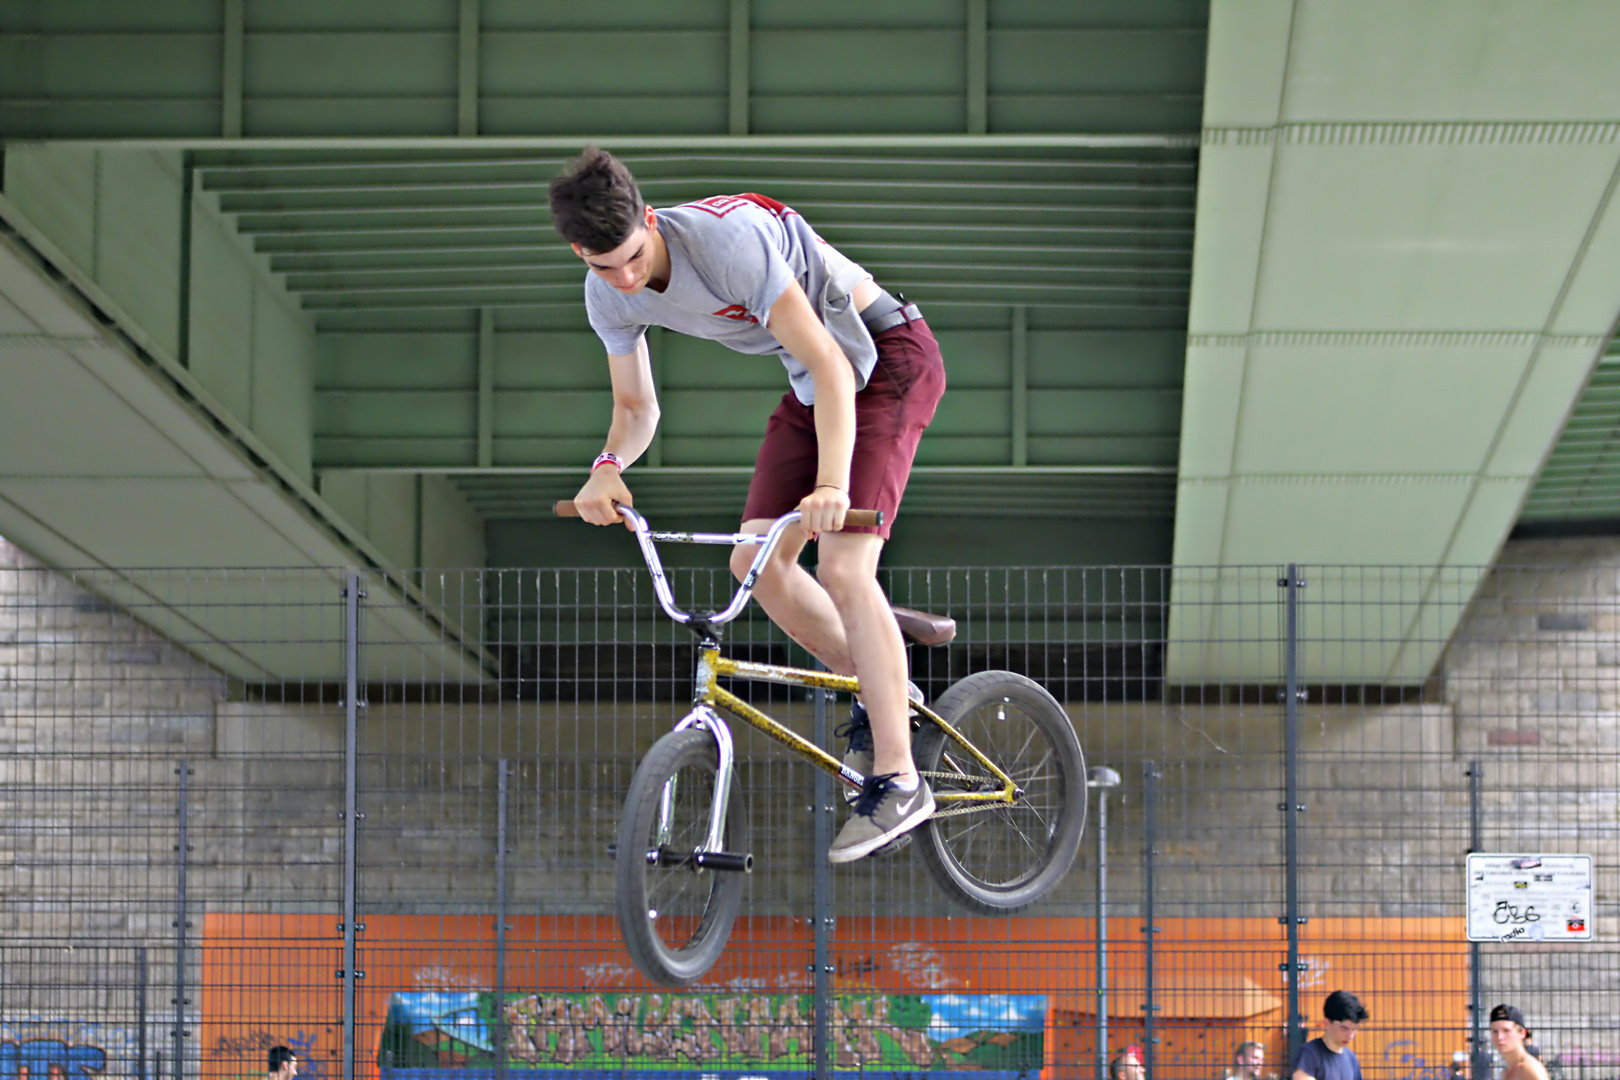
(1007, 772)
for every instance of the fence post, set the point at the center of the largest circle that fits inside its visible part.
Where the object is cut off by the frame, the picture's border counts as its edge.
(1291, 807)
(821, 905)
(351, 728)
(182, 845)
(140, 1012)
(1102, 779)
(1479, 1066)
(1150, 796)
(499, 1011)
(1102, 934)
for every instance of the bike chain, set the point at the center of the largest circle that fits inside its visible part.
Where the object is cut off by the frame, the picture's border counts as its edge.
(969, 808)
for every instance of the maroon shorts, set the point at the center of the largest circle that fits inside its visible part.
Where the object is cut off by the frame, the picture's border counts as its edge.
(890, 414)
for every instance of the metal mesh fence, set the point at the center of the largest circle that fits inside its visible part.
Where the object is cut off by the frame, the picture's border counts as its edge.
(368, 818)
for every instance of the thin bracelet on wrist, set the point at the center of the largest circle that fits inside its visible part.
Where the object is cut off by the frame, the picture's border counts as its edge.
(835, 487)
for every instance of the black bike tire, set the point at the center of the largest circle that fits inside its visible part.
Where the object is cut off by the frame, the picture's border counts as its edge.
(1044, 873)
(666, 966)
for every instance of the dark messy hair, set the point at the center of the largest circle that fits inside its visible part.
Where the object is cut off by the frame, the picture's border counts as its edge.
(1343, 1005)
(279, 1056)
(595, 203)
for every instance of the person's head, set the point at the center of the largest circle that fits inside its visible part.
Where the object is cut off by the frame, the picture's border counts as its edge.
(1344, 1014)
(597, 208)
(1508, 1031)
(1127, 1065)
(283, 1062)
(1250, 1058)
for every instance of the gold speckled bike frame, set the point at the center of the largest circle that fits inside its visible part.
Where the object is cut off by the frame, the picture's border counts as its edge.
(711, 666)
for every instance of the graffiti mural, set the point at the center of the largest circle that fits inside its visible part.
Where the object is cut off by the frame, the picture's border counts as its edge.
(713, 1032)
(49, 1059)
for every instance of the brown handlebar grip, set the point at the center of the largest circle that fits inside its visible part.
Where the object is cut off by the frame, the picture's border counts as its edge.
(565, 508)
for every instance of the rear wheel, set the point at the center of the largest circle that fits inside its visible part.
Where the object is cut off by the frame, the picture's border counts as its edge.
(997, 858)
(676, 918)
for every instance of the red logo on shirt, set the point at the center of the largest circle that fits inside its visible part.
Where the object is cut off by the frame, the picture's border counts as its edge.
(721, 205)
(737, 313)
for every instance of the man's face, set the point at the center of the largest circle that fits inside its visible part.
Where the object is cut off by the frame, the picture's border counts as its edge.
(1343, 1031)
(1506, 1035)
(289, 1069)
(629, 266)
(1131, 1069)
(1252, 1060)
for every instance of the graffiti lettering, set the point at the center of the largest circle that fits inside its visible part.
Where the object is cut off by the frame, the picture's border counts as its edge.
(605, 974)
(253, 1044)
(921, 967)
(1509, 913)
(1405, 1065)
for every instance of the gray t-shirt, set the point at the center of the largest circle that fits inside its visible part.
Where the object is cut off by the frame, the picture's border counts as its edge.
(730, 258)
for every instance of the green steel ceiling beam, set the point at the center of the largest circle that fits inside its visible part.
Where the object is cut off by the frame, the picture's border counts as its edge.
(1405, 264)
(467, 67)
(738, 74)
(232, 49)
(568, 145)
(978, 67)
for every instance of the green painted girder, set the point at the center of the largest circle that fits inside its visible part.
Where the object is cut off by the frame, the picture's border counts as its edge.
(1044, 493)
(902, 193)
(1100, 278)
(1168, 265)
(1405, 270)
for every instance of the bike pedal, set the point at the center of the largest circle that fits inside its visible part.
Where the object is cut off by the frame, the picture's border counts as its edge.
(893, 847)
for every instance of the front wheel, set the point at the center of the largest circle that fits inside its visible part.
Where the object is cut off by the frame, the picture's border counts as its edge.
(676, 918)
(998, 858)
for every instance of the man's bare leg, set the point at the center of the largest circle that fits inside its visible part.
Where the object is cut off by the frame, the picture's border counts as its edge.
(795, 600)
(839, 615)
(848, 571)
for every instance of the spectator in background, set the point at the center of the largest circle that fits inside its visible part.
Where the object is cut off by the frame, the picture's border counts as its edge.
(1511, 1038)
(283, 1064)
(1247, 1061)
(1329, 1057)
(1127, 1065)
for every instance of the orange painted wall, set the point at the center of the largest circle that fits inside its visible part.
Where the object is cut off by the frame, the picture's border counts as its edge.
(269, 979)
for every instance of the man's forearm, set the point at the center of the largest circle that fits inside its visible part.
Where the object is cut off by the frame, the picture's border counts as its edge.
(631, 431)
(835, 426)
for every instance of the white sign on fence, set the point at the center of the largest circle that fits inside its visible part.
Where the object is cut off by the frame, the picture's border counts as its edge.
(1529, 897)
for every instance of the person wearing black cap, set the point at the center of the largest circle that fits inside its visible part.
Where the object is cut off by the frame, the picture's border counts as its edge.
(1511, 1038)
(1329, 1057)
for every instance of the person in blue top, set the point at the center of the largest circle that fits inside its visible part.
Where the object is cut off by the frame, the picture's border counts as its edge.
(865, 375)
(1329, 1056)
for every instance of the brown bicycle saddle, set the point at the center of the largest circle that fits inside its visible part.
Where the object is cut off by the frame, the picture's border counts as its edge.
(923, 628)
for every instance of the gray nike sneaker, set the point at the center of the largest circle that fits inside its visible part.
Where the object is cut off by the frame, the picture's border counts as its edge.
(882, 813)
(858, 730)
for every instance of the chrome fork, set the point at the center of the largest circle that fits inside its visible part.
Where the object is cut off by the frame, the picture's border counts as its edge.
(709, 720)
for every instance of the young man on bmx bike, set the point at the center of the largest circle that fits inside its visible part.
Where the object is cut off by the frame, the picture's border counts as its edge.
(865, 375)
